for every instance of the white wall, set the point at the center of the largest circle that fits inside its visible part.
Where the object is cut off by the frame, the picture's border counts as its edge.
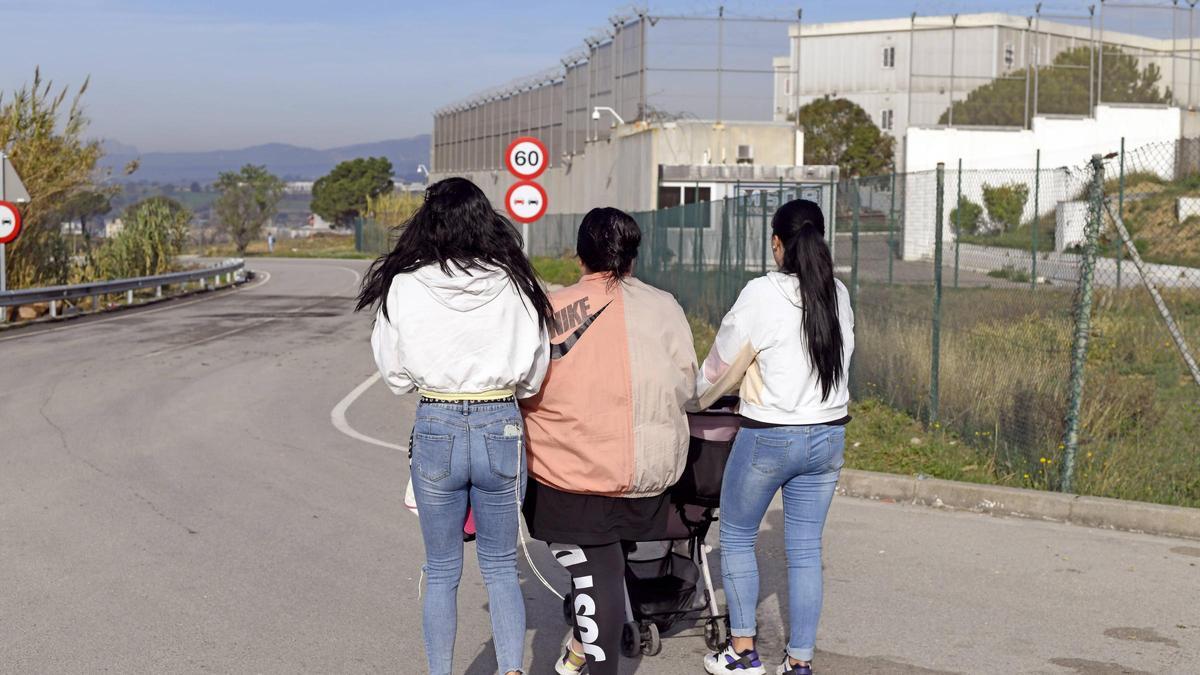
(996, 156)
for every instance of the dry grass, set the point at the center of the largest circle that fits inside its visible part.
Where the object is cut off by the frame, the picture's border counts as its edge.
(1005, 366)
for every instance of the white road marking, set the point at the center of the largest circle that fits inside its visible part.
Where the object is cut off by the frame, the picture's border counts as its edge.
(124, 314)
(338, 416)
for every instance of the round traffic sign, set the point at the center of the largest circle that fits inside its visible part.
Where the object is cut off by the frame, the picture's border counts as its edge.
(525, 201)
(526, 158)
(10, 222)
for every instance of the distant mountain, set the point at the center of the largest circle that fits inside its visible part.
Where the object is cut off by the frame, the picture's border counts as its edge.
(289, 162)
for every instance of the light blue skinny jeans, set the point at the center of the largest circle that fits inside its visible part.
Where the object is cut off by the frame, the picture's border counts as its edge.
(469, 452)
(805, 462)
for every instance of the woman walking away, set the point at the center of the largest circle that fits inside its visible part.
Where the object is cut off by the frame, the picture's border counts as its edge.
(462, 320)
(607, 434)
(787, 341)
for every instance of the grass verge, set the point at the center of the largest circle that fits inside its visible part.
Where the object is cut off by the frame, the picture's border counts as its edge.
(317, 246)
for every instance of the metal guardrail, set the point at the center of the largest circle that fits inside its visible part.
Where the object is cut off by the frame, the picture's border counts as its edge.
(232, 270)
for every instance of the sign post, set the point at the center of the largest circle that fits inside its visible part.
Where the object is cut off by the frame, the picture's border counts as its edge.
(526, 159)
(11, 190)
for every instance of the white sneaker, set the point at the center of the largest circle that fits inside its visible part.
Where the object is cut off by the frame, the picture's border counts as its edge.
(786, 669)
(728, 661)
(570, 663)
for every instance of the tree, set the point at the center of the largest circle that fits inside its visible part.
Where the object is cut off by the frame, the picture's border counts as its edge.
(195, 187)
(1062, 89)
(341, 196)
(1005, 204)
(838, 131)
(86, 205)
(155, 231)
(970, 214)
(43, 137)
(248, 201)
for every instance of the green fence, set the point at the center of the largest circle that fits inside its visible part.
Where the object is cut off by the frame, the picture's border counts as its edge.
(1045, 317)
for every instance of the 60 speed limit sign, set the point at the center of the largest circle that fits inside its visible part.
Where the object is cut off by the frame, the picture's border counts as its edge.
(10, 222)
(525, 201)
(526, 158)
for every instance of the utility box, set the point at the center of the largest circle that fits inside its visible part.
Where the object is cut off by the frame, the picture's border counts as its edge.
(1187, 207)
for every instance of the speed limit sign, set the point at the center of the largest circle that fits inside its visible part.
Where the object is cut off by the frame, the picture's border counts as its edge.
(10, 222)
(526, 201)
(526, 158)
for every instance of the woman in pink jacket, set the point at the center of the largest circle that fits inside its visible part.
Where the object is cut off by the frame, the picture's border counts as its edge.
(607, 432)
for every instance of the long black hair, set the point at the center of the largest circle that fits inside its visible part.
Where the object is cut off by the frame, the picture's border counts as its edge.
(456, 224)
(608, 241)
(800, 226)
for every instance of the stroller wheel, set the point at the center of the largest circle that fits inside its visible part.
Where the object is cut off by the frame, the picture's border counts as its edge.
(715, 634)
(568, 611)
(651, 642)
(631, 640)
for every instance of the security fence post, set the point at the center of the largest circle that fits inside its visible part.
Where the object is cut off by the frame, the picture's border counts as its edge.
(1083, 324)
(1121, 211)
(891, 253)
(1037, 224)
(358, 235)
(762, 200)
(957, 222)
(856, 203)
(936, 343)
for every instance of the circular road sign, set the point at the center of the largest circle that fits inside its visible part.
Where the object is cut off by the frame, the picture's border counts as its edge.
(10, 222)
(526, 201)
(526, 158)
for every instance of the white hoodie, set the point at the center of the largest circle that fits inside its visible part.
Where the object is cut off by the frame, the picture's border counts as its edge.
(466, 332)
(761, 346)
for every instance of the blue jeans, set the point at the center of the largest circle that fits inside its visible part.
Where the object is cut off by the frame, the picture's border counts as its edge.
(805, 462)
(470, 452)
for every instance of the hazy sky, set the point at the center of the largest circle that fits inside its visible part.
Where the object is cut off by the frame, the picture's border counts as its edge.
(212, 74)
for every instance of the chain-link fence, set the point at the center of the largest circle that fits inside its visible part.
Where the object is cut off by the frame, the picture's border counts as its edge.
(1044, 317)
(1039, 338)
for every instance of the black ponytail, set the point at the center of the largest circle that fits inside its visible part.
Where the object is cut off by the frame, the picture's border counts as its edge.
(800, 226)
(456, 224)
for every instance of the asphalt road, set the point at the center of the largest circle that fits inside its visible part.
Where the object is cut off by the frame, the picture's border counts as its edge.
(215, 485)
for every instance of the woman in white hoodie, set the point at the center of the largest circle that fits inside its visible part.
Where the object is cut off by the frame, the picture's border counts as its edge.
(787, 341)
(462, 320)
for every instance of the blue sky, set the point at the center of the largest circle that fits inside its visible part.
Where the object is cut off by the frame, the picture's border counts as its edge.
(202, 75)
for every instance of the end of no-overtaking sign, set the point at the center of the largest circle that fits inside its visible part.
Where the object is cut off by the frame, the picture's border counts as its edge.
(526, 159)
(10, 222)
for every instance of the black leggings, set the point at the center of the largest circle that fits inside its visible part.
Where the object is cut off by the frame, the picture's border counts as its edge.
(598, 596)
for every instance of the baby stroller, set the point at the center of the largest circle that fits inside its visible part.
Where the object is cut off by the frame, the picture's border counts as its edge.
(668, 579)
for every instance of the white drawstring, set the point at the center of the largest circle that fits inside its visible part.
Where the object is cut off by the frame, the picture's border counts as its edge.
(520, 534)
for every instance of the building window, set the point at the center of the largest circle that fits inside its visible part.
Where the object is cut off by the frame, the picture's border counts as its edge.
(889, 57)
(885, 121)
(691, 207)
(690, 195)
(668, 196)
(1010, 55)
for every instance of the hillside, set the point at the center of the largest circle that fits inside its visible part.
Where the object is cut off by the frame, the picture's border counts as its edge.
(290, 162)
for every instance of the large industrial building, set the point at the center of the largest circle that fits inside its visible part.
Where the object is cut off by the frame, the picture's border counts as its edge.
(906, 72)
(663, 111)
(658, 111)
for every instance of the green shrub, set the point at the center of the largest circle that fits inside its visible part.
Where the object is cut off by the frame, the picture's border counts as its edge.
(563, 271)
(1005, 204)
(971, 212)
(155, 231)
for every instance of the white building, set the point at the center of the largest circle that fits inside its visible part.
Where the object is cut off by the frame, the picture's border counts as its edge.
(905, 72)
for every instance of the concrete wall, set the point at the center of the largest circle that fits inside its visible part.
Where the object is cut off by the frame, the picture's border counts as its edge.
(996, 157)
(623, 171)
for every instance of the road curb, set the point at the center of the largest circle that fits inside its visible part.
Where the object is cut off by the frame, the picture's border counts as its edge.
(1098, 512)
